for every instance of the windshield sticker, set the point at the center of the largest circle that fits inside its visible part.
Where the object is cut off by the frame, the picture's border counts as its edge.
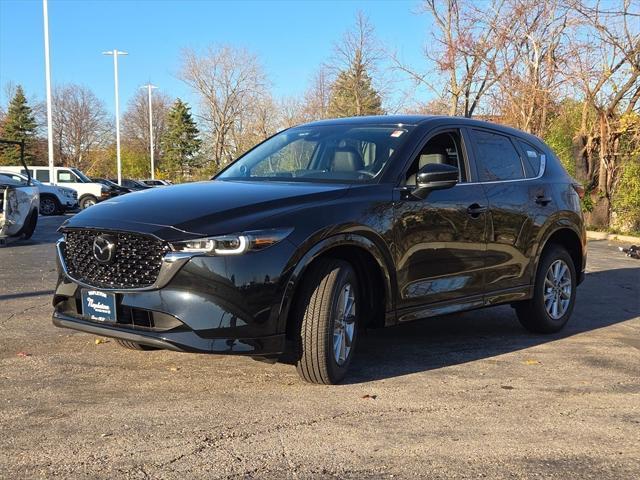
(397, 133)
(532, 154)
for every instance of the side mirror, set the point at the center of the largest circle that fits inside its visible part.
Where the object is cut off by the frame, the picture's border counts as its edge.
(435, 176)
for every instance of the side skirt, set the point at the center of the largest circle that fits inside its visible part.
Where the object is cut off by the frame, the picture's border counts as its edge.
(468, 303)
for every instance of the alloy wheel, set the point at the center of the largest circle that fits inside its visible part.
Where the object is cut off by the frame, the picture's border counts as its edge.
(557, 289)
(344, 324)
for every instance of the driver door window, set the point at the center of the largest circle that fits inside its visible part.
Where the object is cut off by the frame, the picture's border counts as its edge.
(446, 148)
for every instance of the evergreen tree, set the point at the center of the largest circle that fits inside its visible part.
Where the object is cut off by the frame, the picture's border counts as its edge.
(180, 142)
(18, 124)
(352, 94)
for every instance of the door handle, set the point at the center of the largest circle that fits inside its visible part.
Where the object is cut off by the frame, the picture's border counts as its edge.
(542, 200)
(475, 210)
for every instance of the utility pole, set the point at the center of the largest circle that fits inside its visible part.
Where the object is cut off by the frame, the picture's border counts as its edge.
(115, 54)
(47, 66)
(149, 87)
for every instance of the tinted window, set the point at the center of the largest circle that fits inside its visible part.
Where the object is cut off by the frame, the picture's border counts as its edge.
(496, 157)
(42, 175)
(532, 159)
(321, 153)
(442, 148)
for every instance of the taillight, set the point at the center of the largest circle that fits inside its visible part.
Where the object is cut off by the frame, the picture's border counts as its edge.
(579, 189)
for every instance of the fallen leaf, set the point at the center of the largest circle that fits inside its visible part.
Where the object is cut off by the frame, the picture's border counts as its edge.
(106, 435)
(174, 369)
(507, 387)
(23, 354)
(532, 362)
(98, 341)
(372, 397)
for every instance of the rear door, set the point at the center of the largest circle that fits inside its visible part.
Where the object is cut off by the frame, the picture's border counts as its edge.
(440, 240)
(511, 191)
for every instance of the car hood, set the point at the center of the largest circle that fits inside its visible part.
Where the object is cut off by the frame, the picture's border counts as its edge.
(203, 208)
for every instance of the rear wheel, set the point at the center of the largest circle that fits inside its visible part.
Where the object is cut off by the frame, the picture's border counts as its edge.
(554, 293)
(134, 345)
(327, 315)
(49, 205)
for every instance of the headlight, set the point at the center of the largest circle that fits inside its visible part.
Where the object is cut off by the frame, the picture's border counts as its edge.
(236, 244)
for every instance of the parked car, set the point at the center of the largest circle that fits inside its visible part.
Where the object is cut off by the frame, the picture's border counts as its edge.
(155, 182)
(324, 230)
(54, 200)
(132, 185)
(112, 186)
(19, 205)
(89, 193)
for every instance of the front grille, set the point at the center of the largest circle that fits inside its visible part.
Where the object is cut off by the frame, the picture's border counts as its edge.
(136, 260)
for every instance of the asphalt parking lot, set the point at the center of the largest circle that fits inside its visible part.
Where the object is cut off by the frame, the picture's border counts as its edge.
(463, 396)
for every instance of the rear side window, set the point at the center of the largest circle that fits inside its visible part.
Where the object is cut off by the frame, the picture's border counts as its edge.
(497, 157)
(532, 159)
(42, 175)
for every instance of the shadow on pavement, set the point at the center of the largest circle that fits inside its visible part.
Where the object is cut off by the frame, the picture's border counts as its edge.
(605, 298)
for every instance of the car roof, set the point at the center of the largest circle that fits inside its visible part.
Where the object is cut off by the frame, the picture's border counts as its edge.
(422, 120)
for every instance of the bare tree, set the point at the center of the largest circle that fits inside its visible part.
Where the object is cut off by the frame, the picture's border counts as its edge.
(465, 46)
(80, 124)
(135, 123)
(229, 81)
(536, 51)
(316, 97)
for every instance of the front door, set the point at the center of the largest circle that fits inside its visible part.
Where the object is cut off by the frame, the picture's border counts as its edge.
(441, 240)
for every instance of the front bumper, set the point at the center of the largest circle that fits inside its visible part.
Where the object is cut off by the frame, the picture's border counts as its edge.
(201, 304)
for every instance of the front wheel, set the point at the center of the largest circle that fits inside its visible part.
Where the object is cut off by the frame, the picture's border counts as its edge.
(88, 201)
(49, 205)
(327, 315)
(554, 293)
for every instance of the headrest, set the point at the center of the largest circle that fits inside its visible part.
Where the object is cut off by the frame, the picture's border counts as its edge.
(346, 159)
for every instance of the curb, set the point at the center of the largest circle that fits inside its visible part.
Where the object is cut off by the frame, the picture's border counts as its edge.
(593, 235)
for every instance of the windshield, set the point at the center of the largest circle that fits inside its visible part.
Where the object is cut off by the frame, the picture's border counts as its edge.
(341, 153)
(82, 176)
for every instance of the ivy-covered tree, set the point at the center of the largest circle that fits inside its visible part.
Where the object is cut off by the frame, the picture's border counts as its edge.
(18, 124)
(180, 142)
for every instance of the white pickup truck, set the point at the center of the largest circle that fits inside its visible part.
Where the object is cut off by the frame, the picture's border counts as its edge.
(89, 193)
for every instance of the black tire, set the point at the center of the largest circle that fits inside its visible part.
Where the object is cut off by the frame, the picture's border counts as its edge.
(30, 226)
(532, 313)
(87, 201)
(317, 313)
(134, 345)
(49, 205)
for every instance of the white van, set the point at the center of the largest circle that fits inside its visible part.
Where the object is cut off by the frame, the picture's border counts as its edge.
(89, 193)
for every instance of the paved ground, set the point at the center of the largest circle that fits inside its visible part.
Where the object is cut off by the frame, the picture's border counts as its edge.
(464, 396)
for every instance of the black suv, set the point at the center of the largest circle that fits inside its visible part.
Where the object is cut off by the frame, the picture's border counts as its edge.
(326, 229)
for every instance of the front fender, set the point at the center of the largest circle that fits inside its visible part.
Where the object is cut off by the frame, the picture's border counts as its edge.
(308, 255)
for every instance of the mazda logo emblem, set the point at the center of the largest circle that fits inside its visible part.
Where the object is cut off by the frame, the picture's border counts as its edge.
(104, 248)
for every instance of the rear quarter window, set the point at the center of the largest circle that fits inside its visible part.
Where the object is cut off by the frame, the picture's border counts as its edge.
(532, 159)
(496, 157)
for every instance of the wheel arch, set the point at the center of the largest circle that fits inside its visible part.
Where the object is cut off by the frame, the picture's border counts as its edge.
(370, 263)
(567, 235)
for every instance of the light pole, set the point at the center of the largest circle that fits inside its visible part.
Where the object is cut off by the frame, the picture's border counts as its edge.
(149, 87)
(115, 54)
(47, 66)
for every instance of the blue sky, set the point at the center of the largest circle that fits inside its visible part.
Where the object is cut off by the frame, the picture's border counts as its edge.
(291, 38)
